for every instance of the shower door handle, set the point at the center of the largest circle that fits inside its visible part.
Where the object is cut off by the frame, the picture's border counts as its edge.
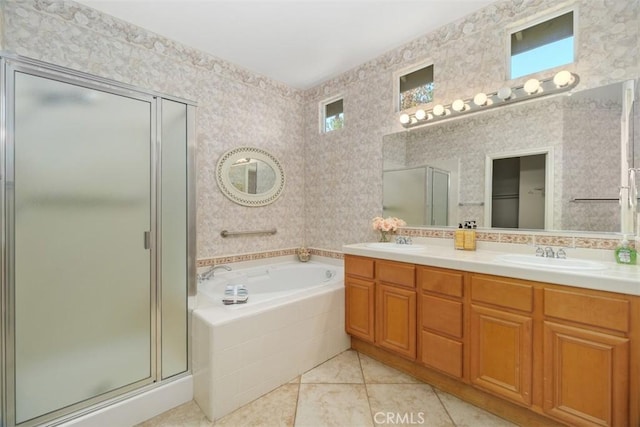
(147, 239)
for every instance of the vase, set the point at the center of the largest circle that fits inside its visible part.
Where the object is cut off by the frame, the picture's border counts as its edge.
(384, 236)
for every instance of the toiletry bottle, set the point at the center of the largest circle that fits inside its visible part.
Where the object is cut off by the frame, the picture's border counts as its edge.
(625, 254)
(469, 236)
(458, 241)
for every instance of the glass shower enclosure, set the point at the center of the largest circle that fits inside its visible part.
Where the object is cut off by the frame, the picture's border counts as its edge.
(97, 240)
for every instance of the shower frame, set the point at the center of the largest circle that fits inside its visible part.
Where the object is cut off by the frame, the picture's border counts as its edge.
(9, 63)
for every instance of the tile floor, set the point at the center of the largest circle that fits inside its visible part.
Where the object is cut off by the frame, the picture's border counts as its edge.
(349, 390)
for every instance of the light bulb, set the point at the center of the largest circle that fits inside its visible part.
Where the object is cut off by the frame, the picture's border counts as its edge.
(532, 86)
(421, 114)
(504, 93)
(458, 105)
(563, 78)
(480, 99)
(438, 110)
(405, 119)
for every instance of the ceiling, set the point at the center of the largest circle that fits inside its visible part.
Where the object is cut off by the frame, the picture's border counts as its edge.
(297, 42)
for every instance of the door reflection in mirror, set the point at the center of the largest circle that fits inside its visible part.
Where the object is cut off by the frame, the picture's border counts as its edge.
(518, 192)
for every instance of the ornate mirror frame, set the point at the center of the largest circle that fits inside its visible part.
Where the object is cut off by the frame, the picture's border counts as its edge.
(246, 199)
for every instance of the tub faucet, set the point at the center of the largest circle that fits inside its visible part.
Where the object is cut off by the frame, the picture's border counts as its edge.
(209, 273)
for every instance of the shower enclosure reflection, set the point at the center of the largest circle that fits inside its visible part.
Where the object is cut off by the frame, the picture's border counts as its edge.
(417, 195)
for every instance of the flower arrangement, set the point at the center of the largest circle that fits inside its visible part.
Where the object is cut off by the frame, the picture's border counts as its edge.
(386, 226)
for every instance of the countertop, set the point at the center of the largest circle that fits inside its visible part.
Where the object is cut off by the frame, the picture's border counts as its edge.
(615, 278)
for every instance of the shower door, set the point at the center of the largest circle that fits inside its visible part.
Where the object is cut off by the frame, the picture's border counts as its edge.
(80, 227)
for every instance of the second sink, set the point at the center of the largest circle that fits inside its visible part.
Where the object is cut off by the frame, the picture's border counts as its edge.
(551, 263)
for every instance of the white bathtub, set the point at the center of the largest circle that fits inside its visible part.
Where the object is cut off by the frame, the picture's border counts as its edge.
(293, 321)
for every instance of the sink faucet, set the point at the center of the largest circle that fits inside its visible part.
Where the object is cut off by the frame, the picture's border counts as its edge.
(548, 252)
(209, 273)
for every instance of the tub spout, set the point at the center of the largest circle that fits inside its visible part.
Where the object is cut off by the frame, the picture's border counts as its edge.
(209, 273)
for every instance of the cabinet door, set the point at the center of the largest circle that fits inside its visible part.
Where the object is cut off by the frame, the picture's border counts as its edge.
(359, 309)
(396, 320)
(501, 353)
(586, 376)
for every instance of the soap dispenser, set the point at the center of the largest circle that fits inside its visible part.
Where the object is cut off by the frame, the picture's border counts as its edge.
(625, 254)
(470, 236)
(458, 241)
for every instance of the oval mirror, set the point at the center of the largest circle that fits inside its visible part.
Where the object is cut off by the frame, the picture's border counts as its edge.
(250, 176)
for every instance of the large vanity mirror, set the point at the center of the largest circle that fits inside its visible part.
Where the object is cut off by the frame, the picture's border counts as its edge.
(551, 164)
(250, 176)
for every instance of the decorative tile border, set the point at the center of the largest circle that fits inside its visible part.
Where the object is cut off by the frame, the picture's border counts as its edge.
(327, 253)
(520, 238)
(206, 262)
(484, 236)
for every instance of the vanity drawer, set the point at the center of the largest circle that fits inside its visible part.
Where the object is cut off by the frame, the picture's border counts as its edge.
(502, 292)
(359, 266)
(442, 282)
(441, 315)
(610, 313)
(398, 273)
(441, 353)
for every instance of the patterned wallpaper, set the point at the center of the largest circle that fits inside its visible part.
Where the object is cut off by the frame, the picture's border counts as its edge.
(71, 35)
(333, 180)
(468, 55)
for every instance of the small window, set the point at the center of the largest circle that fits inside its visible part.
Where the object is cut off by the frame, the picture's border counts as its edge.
(333, 116)
(542, 46)
(416, 88)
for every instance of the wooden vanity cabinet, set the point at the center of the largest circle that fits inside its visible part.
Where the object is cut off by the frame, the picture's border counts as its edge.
(360, 297)
(586, 357)
(396, 307)
(441, 320)
(501, 337)
(533, 352)
(381, 304)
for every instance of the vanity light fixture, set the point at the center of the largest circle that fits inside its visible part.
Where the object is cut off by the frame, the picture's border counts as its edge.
(421, 114)
(563, 78)
(533, 88)
(505, 93)
(459, 105)
(439, 110)
(480, 99)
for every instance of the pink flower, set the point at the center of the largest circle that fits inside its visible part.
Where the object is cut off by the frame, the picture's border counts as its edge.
(387, 224)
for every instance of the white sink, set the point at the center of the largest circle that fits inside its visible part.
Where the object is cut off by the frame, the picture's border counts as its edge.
(551, 263)
(395, 247)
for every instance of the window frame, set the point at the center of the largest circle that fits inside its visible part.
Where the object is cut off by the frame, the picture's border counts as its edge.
(323, 113)
(403, 72)
(534, 20)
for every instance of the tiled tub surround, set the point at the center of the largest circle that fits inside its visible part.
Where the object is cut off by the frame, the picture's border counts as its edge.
(242, 352)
